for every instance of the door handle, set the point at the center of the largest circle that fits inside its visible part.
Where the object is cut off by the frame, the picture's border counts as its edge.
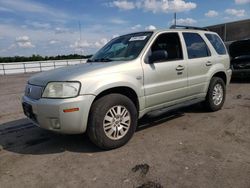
(208, 63)
(180, 68)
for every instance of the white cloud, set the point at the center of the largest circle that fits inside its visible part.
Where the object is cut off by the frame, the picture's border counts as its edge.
(118, 21)
(82, 45)
(115, 36)
(29, 6)
(123, 4)
(39, 25)
(136, 27)
(185, 21)
(167, 6)
(60, 30)
(150, 27)
(180, 5)
(24, 42)
(41, 38)
(101, 43)
(242, 1)
(211, 13)
(52, 42)
(235, 12)
(79, 45)
(155, 6)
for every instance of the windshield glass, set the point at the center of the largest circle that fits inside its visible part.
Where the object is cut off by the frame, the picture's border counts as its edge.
(123, 48)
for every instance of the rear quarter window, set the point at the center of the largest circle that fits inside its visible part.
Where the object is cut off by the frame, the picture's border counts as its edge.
(216, 43)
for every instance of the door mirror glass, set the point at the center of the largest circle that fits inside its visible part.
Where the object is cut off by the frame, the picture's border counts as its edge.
(158, 56)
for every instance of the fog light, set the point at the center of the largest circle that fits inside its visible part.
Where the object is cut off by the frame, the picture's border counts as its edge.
(55, 123)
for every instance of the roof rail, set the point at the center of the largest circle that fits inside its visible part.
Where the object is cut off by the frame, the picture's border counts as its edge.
(188, 27)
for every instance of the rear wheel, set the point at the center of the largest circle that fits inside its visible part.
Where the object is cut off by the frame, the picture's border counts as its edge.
(216, 94)
(112, 121)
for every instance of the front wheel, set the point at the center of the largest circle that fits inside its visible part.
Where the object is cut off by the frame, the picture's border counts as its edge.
(216, 94)
(112, 121)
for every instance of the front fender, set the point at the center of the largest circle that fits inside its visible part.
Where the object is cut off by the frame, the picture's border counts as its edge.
(98, 84)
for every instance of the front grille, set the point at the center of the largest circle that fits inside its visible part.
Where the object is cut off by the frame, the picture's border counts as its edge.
(33, 92)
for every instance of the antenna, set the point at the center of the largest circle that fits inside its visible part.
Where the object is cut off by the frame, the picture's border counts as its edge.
(175, 14)
(175, 18)
(80, 31)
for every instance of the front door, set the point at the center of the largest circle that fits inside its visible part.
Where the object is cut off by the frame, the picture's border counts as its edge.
(165, 82)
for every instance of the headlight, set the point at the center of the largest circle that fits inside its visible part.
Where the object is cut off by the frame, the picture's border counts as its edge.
(61, 90)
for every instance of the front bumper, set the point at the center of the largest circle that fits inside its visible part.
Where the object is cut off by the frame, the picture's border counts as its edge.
(49, 113)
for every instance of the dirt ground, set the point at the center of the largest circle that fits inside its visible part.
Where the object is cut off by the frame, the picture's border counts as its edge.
(186, 148)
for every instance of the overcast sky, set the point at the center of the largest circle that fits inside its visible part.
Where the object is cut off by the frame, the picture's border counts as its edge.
(51, 27)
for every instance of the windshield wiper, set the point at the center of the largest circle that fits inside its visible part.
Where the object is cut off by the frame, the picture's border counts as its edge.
(100, 60)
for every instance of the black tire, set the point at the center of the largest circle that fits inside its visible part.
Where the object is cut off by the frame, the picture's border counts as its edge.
(99, 110)
(210, 104)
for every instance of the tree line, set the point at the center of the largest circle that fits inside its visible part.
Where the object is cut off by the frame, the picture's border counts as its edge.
(42, 58)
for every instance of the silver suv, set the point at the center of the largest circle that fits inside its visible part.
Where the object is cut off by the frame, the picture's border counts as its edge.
(132, 75)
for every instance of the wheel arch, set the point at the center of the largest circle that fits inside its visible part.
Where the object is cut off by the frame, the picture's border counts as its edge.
(221, 75)
(123, 90)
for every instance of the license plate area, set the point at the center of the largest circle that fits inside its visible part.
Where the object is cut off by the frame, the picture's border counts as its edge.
(28, 111)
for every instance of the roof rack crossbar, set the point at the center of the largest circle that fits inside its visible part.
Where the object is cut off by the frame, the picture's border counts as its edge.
(188, 27)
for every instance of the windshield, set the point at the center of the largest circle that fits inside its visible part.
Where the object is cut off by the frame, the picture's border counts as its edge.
(123, 48)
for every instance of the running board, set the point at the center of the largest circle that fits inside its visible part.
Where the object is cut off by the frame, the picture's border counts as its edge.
(176, 106)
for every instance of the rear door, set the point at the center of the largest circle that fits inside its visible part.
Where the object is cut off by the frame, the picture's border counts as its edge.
(199, 63)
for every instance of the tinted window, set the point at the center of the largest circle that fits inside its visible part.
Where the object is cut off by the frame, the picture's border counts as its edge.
(217, 43)
(196, 46)
(169, 42)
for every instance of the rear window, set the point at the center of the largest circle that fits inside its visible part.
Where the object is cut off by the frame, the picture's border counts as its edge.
(216, 43)
(196, 46)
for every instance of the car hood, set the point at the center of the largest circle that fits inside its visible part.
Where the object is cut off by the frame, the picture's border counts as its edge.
(239, 48)
(74, 72)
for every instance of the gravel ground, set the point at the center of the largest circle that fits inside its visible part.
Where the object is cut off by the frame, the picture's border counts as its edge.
(186, 148)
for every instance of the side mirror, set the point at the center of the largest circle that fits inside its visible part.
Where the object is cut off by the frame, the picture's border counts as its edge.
(158, 56)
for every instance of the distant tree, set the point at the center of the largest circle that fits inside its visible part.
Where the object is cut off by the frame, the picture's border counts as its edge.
(35, 57)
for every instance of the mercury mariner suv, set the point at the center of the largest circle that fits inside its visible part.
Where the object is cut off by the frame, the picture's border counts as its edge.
(132, 75)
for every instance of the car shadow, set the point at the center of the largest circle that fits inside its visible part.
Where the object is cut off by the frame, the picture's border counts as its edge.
(23, 137)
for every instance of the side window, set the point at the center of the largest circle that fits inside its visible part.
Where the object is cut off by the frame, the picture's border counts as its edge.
(216, 43)
(196, 46)
(169, 42)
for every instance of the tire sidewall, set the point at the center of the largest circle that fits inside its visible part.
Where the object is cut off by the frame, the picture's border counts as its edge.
(210, 102)
(97, 114)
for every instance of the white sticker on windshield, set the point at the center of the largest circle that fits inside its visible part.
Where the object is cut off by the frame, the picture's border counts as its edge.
(137, 38)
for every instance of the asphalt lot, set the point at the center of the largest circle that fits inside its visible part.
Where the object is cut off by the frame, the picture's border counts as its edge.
(186, 148)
